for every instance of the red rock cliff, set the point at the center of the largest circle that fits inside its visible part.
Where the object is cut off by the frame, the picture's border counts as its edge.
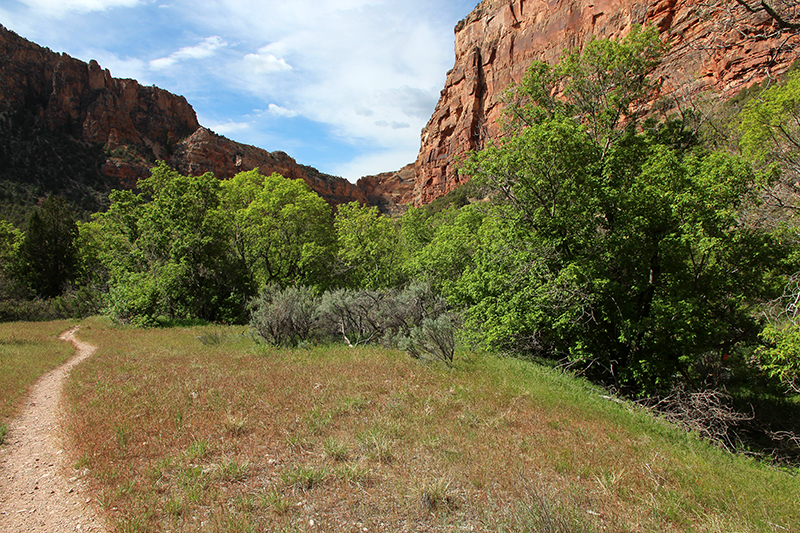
(137, 125)
(67, 94)
(496, 43)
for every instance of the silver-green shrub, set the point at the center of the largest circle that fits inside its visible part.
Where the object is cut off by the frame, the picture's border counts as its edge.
(284, 316)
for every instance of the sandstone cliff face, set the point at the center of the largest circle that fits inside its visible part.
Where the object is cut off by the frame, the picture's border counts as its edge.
(205, 151)
(391, 192)
(496, 43)
(135, 125)
(85, 101)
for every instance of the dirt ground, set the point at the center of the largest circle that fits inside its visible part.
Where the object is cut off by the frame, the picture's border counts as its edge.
(39, 489)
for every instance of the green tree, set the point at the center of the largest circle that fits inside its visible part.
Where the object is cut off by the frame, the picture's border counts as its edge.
(166, 251)
(281, 230)
(370, 251)
(195, 247)
(606, 85)
(780, 355)
(770, 137)
(10, 240)
(610, 248)
(440, 246)
(48, 255)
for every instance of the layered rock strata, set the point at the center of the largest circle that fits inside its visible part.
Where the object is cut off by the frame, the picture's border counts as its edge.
(711, 53)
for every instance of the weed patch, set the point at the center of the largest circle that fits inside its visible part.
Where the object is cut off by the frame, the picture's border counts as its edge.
(437, 495)
(305, 478)
(335, 449)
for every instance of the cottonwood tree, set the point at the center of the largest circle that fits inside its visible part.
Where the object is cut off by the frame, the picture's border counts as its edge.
(281, 230)
(770, 137)
(780, 356)
(609, 247)
(606, 85)
(166, 251)
(370, 253)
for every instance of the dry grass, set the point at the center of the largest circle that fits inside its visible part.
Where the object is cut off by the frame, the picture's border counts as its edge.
(27, 351)
(185, 436)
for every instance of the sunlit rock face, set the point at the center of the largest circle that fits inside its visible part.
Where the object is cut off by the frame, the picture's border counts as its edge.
(496, 43)
(84, 101)
(390, 191)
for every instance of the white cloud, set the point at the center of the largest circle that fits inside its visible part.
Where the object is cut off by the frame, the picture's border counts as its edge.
(265, 63)
(281, 111)
(206, 48)
(394, 125)
(228, 127)
(371, 164)
(363, 111)
(370, 70)
(58, 8)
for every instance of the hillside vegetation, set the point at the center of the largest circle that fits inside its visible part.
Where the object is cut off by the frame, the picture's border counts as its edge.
(598, 235)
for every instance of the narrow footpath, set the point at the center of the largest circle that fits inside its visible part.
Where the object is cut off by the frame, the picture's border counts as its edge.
(39, 491)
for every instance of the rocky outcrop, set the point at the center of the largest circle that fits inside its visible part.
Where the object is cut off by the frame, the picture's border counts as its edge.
(86, 102)
(496, 43)
(391, 192)
(205, 151)
(133, 124)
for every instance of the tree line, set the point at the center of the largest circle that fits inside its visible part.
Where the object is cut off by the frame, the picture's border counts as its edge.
(590, 234)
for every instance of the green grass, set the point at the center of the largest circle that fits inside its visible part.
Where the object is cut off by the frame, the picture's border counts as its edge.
(27, 351)
(272, 439)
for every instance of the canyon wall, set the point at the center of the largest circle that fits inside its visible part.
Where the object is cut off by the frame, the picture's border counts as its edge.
(716, 49)
(127, 126)
(131, 124)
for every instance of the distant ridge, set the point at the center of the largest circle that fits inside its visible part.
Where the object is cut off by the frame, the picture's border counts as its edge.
(70, 128)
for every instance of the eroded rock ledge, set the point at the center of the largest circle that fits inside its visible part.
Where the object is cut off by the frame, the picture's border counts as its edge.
(497, 42)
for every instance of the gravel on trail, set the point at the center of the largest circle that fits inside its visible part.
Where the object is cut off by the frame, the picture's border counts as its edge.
(39, 491)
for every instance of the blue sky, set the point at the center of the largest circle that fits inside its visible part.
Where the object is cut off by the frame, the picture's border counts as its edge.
(342, 85)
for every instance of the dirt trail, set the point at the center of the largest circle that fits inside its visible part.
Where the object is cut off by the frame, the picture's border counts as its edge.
(36, 492)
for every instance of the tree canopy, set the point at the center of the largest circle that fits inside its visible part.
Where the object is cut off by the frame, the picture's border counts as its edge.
(608, 246)
(48, 255)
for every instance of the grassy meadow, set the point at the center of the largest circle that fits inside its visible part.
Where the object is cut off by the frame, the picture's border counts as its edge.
(28, 350)
(204, 430)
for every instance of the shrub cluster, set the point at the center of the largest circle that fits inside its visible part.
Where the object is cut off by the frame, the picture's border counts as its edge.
(413, 318)
(74, 303)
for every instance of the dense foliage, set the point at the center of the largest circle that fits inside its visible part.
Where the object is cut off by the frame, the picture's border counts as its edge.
(627, 249)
